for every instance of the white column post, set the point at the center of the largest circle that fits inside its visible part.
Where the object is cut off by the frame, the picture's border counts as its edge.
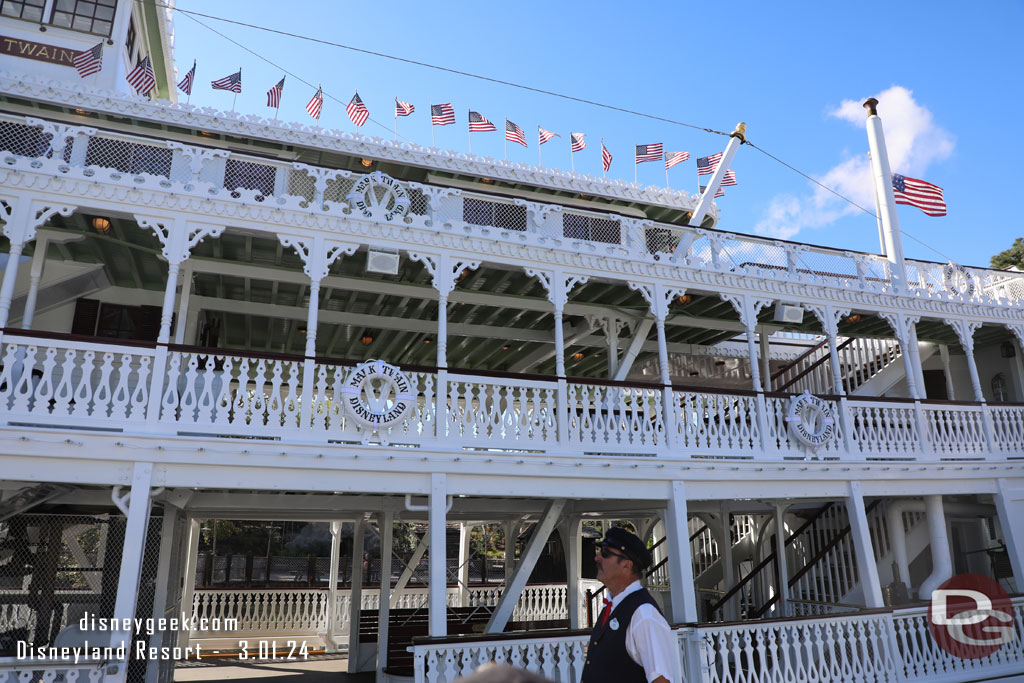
(438, 587)
(464, 551)
(898, 541)
(730, 609)
(570, 531)
(1010, 508)
(680, 563)
(7, 285)
(183, 302)
(882, 177)
(865, 554)
(356, 594)
(386, 522)
(133, 551)
(658, 298)
(612, 326)
(332, 587)
(915, 350)
(510, 548)
(188, 588)
(948, 372)
(942, 564)
(35, 277)
(965, 330)
(782, 580)
(161, 594)
(748, 308)
(766, 367)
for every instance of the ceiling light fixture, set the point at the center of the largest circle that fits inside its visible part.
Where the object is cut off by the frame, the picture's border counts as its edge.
(367, 339)
(101, 225)
(367, 163)
(578, 355)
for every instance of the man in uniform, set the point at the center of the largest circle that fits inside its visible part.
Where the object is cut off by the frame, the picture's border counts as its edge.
(631, 641)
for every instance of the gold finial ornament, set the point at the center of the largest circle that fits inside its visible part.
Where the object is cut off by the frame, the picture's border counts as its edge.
(740, 132)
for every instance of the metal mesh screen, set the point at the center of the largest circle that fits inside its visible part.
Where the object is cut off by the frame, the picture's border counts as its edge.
(128, 157)
(248, 175)
(583, 227)
(54, 569)
(301, 184)
(419, 204)
(496, 214)
(22, 140)
(338, 189)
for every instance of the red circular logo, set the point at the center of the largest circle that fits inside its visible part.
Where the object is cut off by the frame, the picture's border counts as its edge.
(970, 616)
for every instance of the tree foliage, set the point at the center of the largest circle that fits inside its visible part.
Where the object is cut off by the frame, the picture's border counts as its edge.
(1012, 257)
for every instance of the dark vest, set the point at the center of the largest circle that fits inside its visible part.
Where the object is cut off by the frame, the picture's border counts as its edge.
(607, 659)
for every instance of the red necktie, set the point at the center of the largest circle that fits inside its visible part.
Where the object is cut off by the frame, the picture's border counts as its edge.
(606, 612)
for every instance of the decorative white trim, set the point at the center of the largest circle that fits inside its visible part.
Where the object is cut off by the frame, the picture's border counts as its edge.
(85, 96)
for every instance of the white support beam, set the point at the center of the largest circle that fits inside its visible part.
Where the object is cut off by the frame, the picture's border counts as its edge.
(386, 524)
(780, 554)
(464, 538)
(438, 586)
(189, 575)
(161, 594)
(680, 563)
(332, 585)
(356, 595)
(407, 573)
(639, 338)
(507, 603)
(133, 551)
(865, 555)
(571, 533)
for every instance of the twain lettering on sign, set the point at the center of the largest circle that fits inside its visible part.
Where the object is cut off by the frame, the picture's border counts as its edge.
(39, 51)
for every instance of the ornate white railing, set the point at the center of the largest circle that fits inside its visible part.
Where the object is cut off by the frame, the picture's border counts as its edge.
(845, 649)
(559, 659)
(56, 380)
(921, 658)
(49, 671)
(32, 145)
(269, 612)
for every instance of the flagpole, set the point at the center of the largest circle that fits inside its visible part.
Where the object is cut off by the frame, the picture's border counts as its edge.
(469, 133)
(572, 155)
(604, 173)
(634, 164)
(506, 138)
(233, 100)
(666, 175)
(539, 144)
(396, 119)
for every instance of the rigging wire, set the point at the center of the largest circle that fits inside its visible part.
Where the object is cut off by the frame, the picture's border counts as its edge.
(193, 14)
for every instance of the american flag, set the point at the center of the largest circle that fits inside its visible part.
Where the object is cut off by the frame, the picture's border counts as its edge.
(403, 108)
(514, 133)
(606, 157)
(316, 104)
(673, 158)
(141, 78)
(718, 193)
(576, 142)
(232, 82)
(919, 193)
(707, 165)
(729, 178)
(185, 85)
(649, 152)
(478, 124)
(90, 61)
(442, 114)
(357, 110)
(545, 135)
(274, 94)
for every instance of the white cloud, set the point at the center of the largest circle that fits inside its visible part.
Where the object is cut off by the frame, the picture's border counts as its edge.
(913, 139)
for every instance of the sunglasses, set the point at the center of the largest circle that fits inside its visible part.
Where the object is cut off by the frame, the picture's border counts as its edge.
(605, 553)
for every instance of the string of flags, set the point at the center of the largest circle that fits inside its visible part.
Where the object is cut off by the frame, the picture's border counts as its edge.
(921, 194)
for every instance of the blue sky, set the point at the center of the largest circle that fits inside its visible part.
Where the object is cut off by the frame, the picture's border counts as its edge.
(947, 74)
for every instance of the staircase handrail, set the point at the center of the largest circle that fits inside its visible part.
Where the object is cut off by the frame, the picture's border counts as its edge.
(815, 364)
(792, 364)
(811, 562)
(761, 565)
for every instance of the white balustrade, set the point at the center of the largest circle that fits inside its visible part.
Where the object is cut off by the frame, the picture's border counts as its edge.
(482, 411)
(559, 659)
(845, 649)
(884, 429)
(717, 422)
(1008, 429)
(779, 438)
(921, 658)
(955, 430)
(74, 383)
(615, 419)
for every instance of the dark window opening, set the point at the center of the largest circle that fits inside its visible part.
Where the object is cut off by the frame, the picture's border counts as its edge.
(114, 321)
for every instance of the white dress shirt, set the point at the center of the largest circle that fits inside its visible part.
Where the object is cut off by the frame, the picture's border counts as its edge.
(649, 639)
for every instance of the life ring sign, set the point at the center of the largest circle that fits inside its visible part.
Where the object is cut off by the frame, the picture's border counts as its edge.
(811, 421)
(378, 395)
(958, 280)
(381, 195)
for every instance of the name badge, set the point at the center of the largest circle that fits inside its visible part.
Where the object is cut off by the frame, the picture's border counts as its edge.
(614, 624)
